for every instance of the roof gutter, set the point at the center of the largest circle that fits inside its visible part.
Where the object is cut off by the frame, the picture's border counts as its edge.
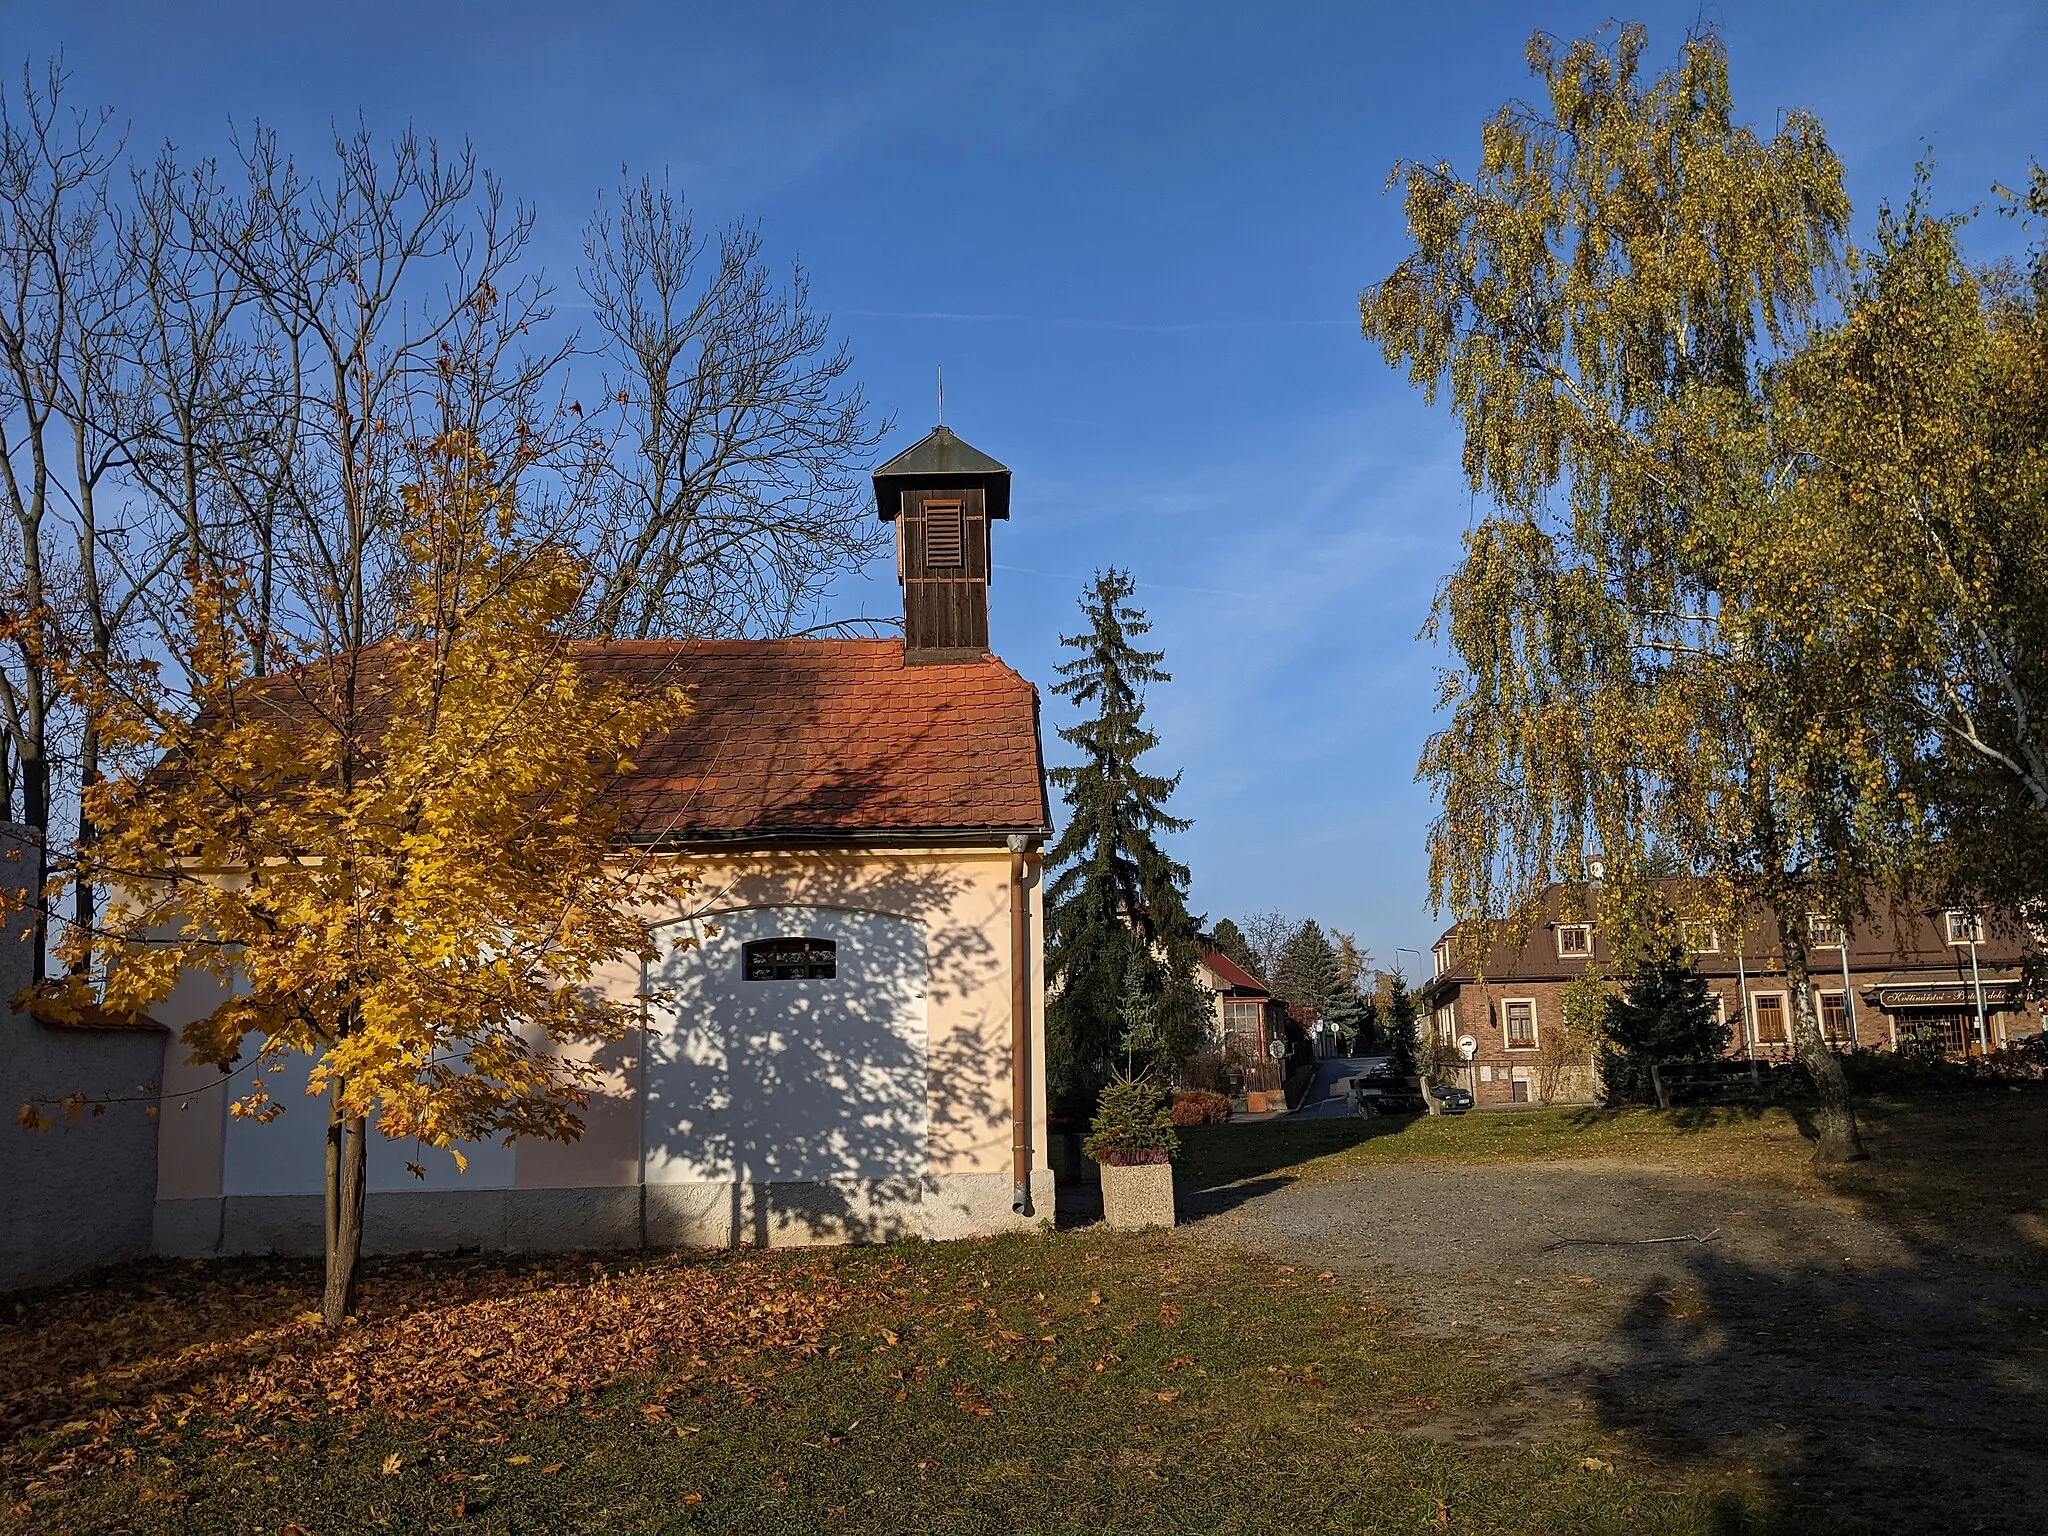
(897, 837)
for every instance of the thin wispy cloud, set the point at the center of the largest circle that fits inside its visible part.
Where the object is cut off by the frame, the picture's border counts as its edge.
(1085, 323)
(1143, 586)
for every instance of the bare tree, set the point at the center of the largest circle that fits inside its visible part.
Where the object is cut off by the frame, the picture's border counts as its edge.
(378, 298)
(738, 492)
(65, 423)
(1268, 933)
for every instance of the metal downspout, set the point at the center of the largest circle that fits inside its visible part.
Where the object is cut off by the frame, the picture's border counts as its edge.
(1020, 1028)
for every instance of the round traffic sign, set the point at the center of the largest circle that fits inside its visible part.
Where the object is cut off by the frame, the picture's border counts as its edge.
(1276, 1049)
(1467, 1047)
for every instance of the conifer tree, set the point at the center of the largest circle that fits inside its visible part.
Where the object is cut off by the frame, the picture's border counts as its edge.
(1114, 899)
(1665, 1013)
(1397, 1017)
(1311, 976)
(1228, 939)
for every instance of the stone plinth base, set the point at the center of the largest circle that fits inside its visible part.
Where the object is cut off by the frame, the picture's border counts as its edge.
(1137, 1196)
(768, 1215)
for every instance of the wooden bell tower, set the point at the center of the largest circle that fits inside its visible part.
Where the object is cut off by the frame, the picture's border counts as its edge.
(943, 495)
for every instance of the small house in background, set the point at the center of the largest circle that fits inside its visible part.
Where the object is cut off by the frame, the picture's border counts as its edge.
(855, 1050)
(1248, 1019)
(1944, 982)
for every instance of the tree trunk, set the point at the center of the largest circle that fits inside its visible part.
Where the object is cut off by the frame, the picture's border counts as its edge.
(1840, 1141)
(35, 812)
(345, 1184)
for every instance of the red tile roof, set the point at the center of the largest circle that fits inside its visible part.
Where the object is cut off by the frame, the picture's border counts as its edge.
(815, 737)
(1233, 973)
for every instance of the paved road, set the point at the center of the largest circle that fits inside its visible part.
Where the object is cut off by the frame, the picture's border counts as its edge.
(1327, 1099)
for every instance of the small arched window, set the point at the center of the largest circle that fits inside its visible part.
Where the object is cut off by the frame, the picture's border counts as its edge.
(789, 960)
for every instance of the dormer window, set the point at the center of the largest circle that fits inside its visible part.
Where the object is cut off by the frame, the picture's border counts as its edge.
(1574, 941)
(1442, 955)
(791, 959)
(1702, 938)
(1963, 928)
(944, 535)
(1823, 932)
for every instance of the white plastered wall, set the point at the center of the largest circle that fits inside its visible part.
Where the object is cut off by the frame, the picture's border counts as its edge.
(853, 1147)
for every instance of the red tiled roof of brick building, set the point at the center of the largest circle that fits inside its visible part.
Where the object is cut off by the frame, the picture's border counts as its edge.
(1230, 971)
(823, 736)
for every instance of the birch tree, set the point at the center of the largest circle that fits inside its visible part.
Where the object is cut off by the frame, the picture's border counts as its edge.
(1916, 424)
(1601, 303)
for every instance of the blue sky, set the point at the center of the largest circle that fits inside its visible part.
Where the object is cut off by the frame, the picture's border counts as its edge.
(1134, 236)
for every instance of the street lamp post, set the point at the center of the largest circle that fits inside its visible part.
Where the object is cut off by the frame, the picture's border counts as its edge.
(1976, 975)
(1977, 981)
(1848, 993)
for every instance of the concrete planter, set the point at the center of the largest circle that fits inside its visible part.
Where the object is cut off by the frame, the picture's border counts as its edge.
(1137, 1195)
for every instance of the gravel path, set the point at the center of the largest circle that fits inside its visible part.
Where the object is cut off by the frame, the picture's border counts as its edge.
(1783, 1337)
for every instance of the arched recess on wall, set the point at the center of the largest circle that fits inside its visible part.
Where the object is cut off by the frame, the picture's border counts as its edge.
(786, 1080)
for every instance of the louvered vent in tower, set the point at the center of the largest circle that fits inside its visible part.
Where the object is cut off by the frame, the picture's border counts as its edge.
(942, 535)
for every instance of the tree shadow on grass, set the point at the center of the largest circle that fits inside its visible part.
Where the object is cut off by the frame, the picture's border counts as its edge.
(1216, 1160)
(1888, 1368)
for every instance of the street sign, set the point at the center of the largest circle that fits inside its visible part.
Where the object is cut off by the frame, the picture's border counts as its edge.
(1277, 1049)
(1467, 1047)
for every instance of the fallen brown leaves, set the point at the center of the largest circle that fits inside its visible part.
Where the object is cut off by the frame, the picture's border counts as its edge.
(230, 1353)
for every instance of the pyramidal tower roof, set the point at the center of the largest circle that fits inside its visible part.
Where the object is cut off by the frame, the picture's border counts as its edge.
(942, 460)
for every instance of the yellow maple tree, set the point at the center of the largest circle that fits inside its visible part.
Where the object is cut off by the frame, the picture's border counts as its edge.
(399, 859)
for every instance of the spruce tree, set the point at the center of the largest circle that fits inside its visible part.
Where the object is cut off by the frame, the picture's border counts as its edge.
(1665, 1013)
(1115, 901)
(1311, 975)
(1397, 1017)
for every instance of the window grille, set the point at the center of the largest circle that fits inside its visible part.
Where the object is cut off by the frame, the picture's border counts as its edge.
(789, 960)
(1574, 941)
(1834, 1018)
(1770, 1019)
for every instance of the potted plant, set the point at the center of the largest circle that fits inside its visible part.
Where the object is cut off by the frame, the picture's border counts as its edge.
(1134, 1141)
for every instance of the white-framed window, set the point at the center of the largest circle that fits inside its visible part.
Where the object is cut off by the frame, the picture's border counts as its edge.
(1834, 1017)
(1962, 928)
(1518, 1023)
(1702, 938)
(1574, 941)
(1770, 1020)
(1442, 956)
(1823, 932)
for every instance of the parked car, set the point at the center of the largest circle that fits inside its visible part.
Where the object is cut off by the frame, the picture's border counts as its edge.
(1450, 1098)
(1377, 1093)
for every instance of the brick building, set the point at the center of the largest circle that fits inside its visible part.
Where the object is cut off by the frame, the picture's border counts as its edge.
(1932, 980)
(1248, 1019)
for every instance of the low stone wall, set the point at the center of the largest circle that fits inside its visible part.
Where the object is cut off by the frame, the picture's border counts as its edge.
(80, 1193)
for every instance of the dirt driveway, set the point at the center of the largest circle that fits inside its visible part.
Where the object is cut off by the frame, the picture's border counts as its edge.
(1780, 1336)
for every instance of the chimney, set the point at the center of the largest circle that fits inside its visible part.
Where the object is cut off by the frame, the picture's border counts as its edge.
(942, 495)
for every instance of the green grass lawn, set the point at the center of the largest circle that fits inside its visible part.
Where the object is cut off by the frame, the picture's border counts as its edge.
(1061, 1382)
(1755, 1140)
(1071, 1381)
